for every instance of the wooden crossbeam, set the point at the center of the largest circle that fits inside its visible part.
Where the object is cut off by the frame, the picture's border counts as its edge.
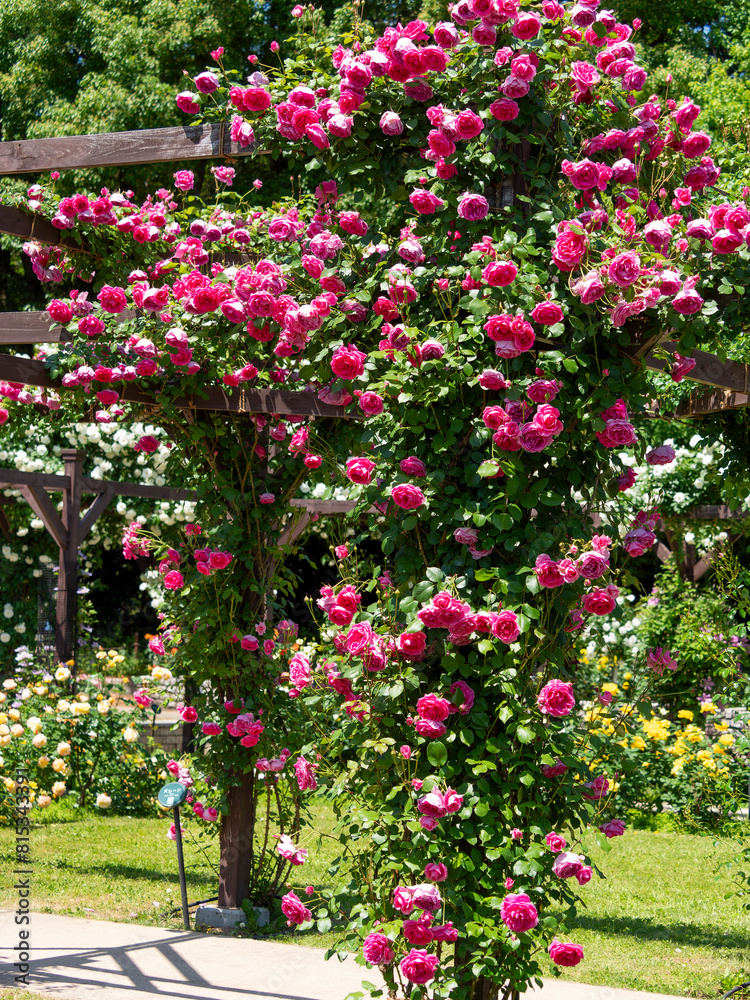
(30, 328)
(211, 399)
(40, 504)
(32, 226)
(709, 370)
(115, 149)
(93, 514)
(712, 401)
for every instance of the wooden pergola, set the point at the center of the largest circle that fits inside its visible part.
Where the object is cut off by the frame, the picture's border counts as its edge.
(725, 384)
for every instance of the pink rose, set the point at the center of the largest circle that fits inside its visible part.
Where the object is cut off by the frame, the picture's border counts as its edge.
(360, 470)
(430, 729)
(613, 828)
(391, 124)
(412, 466)
(60, 311)
(174, 580)
(660, 660)
(425, 202)
(412, 645)
(506, 627)
(473, 207)
(625, 269)
(348, 362)
(402, 900)
(599, 601)
(407, 497)
(504, 110)
(433, 707)
(592, 565)
(565, 953)
(184, 180)
(567, 864)
(556, 698)
(585, 875)
(555, 842)
(547, 572)
(518, 913)
(435, 872)
(681, 367)
(294, 909)
(547, 313)
(112, 299)
(188, 714)
(186, 101)
(498, 274)
(426, 897)
(418, 966)
(377, 949)
(211, 729)
(663, 455)
(417, 932)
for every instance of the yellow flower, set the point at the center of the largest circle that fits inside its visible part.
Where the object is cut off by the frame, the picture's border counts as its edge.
(101, 654)
(63, 705)
(656, 729)
(43, 801)
(9, 685)
(80, 708)
(62, 674)
(63, 749)
(721, 726)
(9, 784)
(70, 663)
(60, 766)
(709, 764)
(130, 734)
(685, 713)
(692, 734)
(43, 761)
(39, 741)
(678, 766)
(638, 743)
(14, 714)
(59, 788)
(103, 707)
(628, 676)
(17, 730)
(611, 688)
(103, 800)
(727, 740)
(707, 708)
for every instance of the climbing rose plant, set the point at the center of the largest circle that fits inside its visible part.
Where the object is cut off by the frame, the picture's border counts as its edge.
(500, 217)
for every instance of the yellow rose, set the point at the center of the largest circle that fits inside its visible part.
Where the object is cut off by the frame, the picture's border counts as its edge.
(62, 674)
(59, 788)
(43, 762)
(39, 741)
(43, 801)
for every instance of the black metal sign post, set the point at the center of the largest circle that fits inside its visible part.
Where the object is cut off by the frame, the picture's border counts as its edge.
(174, 794)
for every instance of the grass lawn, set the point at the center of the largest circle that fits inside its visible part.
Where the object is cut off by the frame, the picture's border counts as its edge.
(658, 922)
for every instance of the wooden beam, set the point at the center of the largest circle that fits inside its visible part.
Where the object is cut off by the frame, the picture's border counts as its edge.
(323, 506)
(709, 370)
(115, 149)
(93, 514)
(30, 328)
(699, 404)
(134, 490)
(14, 478)
(211, 398)
(32, 226)
(39, 502)
(718, 512)
(292, 532)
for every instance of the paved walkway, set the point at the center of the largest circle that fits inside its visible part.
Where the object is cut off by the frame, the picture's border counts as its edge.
(75, 959)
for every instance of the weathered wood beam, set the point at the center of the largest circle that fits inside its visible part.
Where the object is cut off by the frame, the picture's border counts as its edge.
(116, 149)
(13, 478)
(37, 499)
(709, 370)
(106, 486)
(212, 398)
(699, 404)
(32, 226)
(93, 514)
(323, 506)
(30, 328)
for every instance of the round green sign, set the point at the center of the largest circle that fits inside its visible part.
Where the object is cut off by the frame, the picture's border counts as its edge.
(173, 794)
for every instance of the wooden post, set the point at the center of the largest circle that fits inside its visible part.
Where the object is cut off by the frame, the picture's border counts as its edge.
(67, 581)
(236, 843)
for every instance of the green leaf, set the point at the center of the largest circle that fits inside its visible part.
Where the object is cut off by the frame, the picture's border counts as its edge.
(437, 754)
(525, 735)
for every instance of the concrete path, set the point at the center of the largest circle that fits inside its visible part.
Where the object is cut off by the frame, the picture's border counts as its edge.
(74, 959)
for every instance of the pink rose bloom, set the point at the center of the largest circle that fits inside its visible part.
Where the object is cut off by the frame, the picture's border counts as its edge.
(567, 864)
(556, 698)
(468, 695)
(173, 580)
(112, 299)
(555, 842)
(184, 180)
(211, 729)
(418, 966)
(554, 770)
(432, 804)
(360, 470)
(515, 834)
(430, 729)
(473, 207)
(426, 897)
(613, 828)
(411, 645)
(391, 124)
(407, 497)
(60, 312)
(600, 601)
(425, 202)
(402, 900)
(267, 498)
(493, 380)
(584, 875)
(687, 302)
(413, 466)
(505, 627)
(294, 909)
(186, 102)
(142, 698)
(498, 274)
(565, 953)
(547, 313)
(249, 643)
(681, 367)
(547, 572)
(417, 932)
(433, 707)
(592, 565)
(663, 455)
(348, 362)
(452, 800)
(504, 110)
(625, 269)
(377, 949)
(305, 772)
(435, 872)
(518, 913)
(638, 540)
(188, 714)
(371, 403)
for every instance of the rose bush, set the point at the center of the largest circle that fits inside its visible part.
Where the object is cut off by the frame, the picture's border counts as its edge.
(445, 360)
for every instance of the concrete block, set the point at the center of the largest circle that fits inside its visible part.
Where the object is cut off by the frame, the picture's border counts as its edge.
(226, 918)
